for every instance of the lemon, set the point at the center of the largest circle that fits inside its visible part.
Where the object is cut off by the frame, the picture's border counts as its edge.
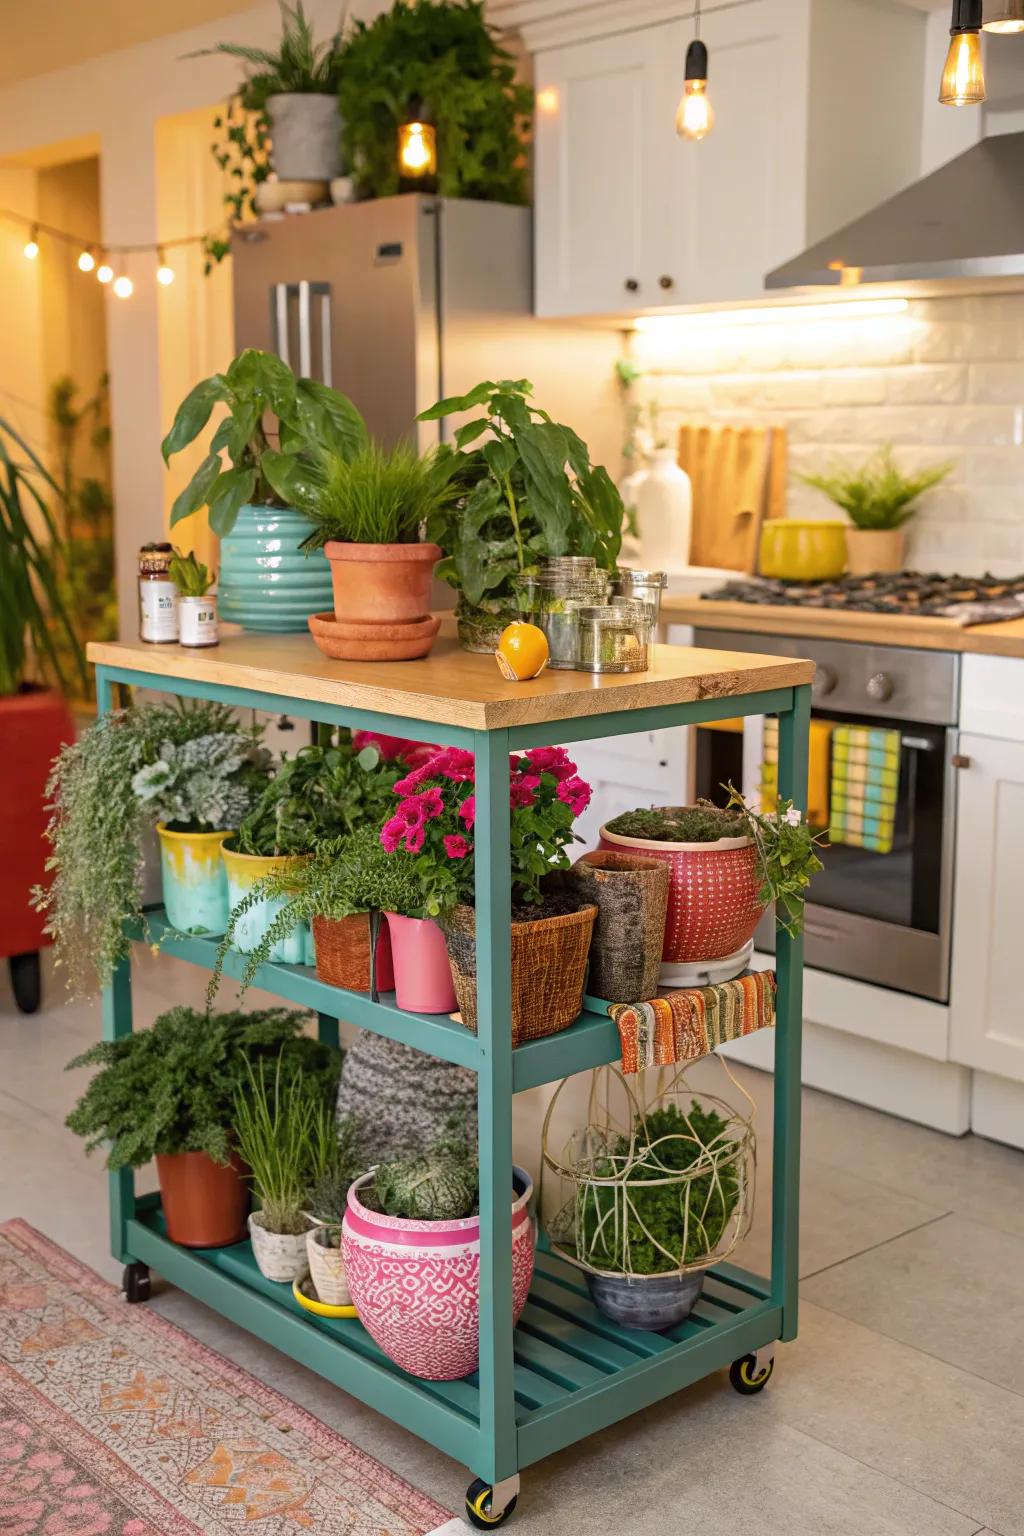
(522, 652)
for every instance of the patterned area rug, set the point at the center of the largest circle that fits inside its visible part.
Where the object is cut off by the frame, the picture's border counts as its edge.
(113, 1422)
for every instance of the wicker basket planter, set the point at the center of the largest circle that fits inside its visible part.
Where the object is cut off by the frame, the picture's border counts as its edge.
(342, 948)
(630, 892)
(549, 964)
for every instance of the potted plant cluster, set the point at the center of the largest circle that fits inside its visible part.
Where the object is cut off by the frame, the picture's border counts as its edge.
(367, 512)
(169, 1093)
(551, 927)
(528, 491)
(411, 1249)
(726, 865)
(40, 656)
(197, 605)
(878, 498)
(265, 582)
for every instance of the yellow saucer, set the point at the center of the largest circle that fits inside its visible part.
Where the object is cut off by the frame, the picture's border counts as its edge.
(319, 1308)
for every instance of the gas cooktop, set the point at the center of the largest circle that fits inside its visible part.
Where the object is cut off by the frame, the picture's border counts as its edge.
(968, 599)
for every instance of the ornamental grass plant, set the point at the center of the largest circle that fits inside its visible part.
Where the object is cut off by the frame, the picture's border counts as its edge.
(286, 1136)
(378, 496)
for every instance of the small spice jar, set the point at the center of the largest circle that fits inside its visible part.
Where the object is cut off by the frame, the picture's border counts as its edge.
(197, 619)
(614, 638)
(158, 596)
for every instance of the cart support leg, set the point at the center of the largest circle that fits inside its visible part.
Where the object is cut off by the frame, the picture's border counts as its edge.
(498, 1458)
(327, 1030)
(793, 730)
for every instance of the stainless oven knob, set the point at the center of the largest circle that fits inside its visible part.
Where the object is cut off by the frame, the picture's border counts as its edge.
(825, 679)
(880, 687)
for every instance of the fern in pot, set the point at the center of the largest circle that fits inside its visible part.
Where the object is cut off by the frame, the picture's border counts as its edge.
(878, 498)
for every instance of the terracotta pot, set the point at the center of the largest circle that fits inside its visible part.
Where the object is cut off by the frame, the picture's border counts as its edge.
(712, 895)
(205, 1203)
(416, 1284)
(549, 963)
(423, 976)
(874, 551)
(342, 641)
(343, 953)
(34, 725)
(631, 896)
(381, 583)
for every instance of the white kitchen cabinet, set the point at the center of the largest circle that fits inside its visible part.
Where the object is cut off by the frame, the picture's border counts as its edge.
(987, 999)
(808, 133)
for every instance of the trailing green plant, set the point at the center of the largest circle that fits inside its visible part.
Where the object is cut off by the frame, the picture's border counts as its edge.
(284, 1133)
(624, 1228)
(300, 64)
(529, 491)
(448, 55)
(378, 496)
(96, 828)
(191, 577)
(311, 419)
(320, 793)
(171, 1088)
(38, 638)
(440, 1184)
(877, 494)
(241, 148)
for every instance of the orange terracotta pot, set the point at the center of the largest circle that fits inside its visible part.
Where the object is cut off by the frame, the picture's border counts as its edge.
(381, 583)
(373, 642)
(205, 1203)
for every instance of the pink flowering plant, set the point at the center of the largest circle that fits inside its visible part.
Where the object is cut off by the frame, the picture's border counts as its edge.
(436, 813)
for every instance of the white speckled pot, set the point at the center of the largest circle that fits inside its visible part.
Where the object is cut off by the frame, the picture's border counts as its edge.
(327, 1269)
(280, 1255)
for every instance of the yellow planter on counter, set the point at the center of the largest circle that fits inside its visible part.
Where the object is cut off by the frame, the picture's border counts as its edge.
(803, 549)
(195, 882)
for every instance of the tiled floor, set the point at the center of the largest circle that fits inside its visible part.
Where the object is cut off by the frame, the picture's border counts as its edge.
(899, 1411)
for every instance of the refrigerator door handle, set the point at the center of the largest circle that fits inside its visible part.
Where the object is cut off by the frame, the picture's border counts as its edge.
(305, 339)
(279, 321)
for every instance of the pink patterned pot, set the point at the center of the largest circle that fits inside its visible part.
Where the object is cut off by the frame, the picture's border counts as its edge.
(416, 1284)
(712, 894)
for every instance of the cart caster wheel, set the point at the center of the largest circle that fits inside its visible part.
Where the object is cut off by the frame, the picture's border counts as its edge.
(135, 1282)
(478, 1507)
(26, 983)
(747, 1377)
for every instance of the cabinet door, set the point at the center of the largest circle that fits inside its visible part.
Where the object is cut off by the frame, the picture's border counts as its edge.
(987, 996)
(736, 201)
(591, 169)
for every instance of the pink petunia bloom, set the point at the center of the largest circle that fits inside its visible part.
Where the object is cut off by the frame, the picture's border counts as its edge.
(391, 834)
(455, 845)
(412, 781)
(575, 793)
(456, 764)
(467, 810)
(432, 803)
(529, 780)
(553, 760)
(411, 812)
(414, 839)
(520, 794)
(393, 748)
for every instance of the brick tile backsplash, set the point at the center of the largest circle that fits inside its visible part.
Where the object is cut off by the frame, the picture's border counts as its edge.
(943, 380)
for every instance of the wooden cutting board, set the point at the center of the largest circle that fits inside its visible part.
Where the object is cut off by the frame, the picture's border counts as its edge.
(738, 475)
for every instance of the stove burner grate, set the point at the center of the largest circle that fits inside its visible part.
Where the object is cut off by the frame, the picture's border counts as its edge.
(908, 592)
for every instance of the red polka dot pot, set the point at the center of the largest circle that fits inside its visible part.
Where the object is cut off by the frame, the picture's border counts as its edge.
(416, 1284)
(712, 894)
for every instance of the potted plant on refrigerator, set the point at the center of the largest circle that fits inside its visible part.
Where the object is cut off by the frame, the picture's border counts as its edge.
(39, 651)
(727, 864)
(168, 1092)
(528, 491)
(265, 582)
(878, 498)
(411, 1247)
(367, 512)
(551, 926)
(297, 87)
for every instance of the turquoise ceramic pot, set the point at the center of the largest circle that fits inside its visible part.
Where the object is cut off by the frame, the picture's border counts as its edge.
(266, 583)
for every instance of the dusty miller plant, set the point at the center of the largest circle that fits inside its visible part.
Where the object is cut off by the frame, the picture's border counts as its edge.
(207, 784)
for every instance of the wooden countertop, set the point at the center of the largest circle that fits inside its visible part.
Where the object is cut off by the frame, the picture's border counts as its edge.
(1005, 638)
(450, 686)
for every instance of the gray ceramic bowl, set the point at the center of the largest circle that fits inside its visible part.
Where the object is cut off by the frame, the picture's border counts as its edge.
(653, 1302)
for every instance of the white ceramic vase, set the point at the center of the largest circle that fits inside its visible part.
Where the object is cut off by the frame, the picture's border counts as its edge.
(280, 1255)
(664, 508)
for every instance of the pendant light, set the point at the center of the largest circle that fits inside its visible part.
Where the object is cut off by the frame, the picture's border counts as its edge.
(963, 78)
(1003, 16)
(694, 116)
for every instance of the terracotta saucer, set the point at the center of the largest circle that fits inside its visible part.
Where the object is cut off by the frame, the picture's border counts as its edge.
(344, 641)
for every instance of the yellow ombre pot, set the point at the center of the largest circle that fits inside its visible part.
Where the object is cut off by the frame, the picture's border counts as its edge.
(194, 880)
(803, 549)
(243, 870)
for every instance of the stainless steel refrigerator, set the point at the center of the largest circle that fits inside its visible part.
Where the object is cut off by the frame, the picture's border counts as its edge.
(400, 301)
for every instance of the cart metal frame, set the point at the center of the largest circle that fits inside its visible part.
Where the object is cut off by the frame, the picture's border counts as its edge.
(566, 1371)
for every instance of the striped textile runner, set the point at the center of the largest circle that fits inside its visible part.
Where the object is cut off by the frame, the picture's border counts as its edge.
(680, 1026)
(865, 786)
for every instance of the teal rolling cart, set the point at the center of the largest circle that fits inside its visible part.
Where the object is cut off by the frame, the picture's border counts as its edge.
(565, 1371)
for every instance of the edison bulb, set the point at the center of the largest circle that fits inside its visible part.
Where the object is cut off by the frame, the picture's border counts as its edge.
(31, 249)
(165, 274)
(415, 152)
(124, 287)
(104, 273)
(86, 262)
(963, 78)
(694, 115)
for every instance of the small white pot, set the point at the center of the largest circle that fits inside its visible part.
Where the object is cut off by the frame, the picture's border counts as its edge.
(280, 1255)
(197, 620)
(327, 1269)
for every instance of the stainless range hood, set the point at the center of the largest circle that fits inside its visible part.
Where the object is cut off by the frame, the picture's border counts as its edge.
(964, 220)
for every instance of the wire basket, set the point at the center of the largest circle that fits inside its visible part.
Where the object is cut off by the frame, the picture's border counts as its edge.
(658, 1183)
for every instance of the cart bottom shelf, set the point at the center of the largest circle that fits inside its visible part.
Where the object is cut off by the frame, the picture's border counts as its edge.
(575, 1371)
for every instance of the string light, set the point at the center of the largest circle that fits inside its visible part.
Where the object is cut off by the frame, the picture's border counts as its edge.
(32, 244)
(86, 262)
(124, 287)
(102, 261)
(104, 272)
(164, 273)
